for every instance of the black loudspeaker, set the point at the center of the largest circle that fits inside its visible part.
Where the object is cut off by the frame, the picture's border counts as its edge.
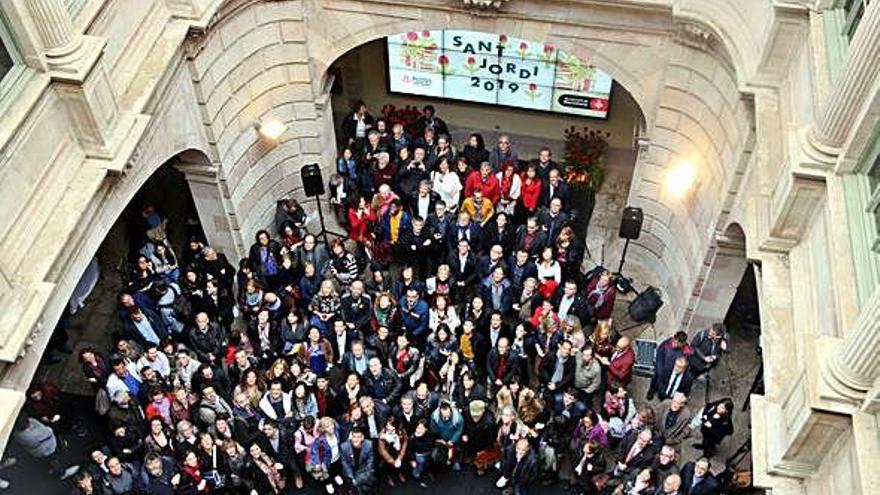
(313, 183)
(644, 307)
(631, 223)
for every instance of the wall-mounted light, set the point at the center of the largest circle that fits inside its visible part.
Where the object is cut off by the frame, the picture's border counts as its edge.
(681, 179)
(270, 129)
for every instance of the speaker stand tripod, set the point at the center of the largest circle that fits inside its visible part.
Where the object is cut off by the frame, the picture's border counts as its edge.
(324, 231)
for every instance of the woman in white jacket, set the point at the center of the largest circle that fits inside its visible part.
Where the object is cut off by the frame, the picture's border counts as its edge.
(510, 184)
(447, 184)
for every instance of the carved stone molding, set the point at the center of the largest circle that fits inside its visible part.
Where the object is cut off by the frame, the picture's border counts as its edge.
(483, 6)
(695, 35)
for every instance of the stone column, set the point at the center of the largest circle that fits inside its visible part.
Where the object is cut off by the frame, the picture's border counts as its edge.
(52, 21)
(855, 366)
(852, 86)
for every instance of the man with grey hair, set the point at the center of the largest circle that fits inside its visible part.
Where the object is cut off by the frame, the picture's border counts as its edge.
(696, 479)
(673, 419)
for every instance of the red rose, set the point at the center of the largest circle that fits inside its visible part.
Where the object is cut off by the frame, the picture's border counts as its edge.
(548, 49)
(533, 86)
(426, 33)
(598, 104)
(503, 38)
(443, 60)
(523, 46)
(412, 36)
(471, 61)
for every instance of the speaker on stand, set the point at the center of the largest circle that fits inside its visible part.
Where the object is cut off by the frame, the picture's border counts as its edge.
(313, 186)
(630, 228)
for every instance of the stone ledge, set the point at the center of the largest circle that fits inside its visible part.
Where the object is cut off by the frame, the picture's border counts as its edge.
(22, 311)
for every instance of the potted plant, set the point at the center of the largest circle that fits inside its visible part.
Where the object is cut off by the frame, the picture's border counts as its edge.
(584, 162)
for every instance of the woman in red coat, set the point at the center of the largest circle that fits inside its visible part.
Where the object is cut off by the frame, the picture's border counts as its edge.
(530, 194)
(360, 216)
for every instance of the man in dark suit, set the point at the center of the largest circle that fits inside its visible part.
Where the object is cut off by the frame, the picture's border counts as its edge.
(356, 307)
(664, 360)
(555, 187)
(678, 379)
(531, 238)
(490, 262)
(341, 339)
(462, 265)
(568, 302)
(696, 479)
(357, 360)
(635, 453)
(280, 445)
(464, 228)
(553, 219)
(422, 204)
(521, 268)
(440, 222)
(501, 364)
(557, 369)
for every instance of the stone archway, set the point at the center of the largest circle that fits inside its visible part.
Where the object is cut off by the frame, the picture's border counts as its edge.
(269, 59)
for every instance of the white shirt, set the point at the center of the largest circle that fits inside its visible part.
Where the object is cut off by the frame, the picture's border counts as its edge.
(448, 186)
(340, 342)
(564, 305)
(361, 129)
(424, 203)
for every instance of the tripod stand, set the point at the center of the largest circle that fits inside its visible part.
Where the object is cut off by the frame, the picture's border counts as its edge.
(324, 231)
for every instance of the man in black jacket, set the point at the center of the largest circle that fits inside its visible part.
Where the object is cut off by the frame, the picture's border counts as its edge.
(356, 307)
(462, 266)
(568, 302)
(501, 364)
(635, 453)
(422, 204)
(414, 246)
(519, 468)
(553, 219)
(206, 340)
(554, 187)
(557, 370)
(530, 238)
(383, 384)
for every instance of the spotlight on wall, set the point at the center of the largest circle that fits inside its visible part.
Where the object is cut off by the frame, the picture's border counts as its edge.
(681, 178)
(270, 129)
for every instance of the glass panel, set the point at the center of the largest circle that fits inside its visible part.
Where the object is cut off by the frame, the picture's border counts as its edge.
(6, 61)
(874, 175)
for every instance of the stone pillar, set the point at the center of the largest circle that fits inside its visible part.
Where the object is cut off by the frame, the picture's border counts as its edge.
(852, 86)
(61, 43)
(855, 366)
(216, 220)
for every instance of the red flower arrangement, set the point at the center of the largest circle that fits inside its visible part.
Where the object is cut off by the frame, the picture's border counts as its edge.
(406, 116)
(584, 157)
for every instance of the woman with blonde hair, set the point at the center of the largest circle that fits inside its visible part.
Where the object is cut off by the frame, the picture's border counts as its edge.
(324, 460)
(603, 346)
(530, 408)
(279, 371)
(503, 399)
(324, 306)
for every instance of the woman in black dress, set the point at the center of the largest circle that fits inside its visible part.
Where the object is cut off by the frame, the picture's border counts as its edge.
(717, 423)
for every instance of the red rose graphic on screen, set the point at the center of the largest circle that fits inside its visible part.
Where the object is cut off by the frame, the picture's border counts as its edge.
(426, 33)
(503, 38)
(599, 104)
(471, 65)
(444, 68)
(533, 92)
(412, 36)
(548, 48)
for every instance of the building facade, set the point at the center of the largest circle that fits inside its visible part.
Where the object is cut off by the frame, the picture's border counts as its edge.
(775, 104)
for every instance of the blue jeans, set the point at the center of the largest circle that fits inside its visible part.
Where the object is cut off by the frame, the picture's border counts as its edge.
(421, 463)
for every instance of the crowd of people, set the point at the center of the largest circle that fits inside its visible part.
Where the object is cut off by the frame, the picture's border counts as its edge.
(453, 329)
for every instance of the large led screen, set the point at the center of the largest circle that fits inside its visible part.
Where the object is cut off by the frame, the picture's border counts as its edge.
(496, 69)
